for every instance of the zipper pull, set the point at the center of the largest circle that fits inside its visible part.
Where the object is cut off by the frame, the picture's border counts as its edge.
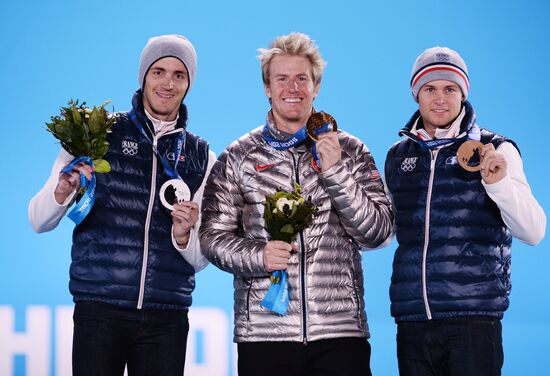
(155, 143)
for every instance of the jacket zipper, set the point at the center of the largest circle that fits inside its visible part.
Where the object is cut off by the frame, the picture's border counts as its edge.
(433, 155)
(148, 218)
(147, 225)
(248, 301)
(302, 262)
(354, 284)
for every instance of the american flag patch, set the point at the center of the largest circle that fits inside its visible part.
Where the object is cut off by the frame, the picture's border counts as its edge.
(374, 173)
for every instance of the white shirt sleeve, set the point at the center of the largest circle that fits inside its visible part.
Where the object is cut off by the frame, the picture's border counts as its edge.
(192, 253)
(519, 209)
(44, 211)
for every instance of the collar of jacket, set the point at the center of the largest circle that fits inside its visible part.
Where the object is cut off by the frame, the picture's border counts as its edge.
(137, 105)
(467, 122)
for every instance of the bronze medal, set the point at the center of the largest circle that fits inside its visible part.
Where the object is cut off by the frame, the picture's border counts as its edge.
(317, 121)
(469, 155)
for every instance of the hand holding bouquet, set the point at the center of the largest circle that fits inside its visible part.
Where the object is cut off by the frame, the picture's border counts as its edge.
(82, 132)
(285, 215)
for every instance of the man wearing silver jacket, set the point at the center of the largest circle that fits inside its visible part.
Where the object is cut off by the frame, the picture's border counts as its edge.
(324, 330)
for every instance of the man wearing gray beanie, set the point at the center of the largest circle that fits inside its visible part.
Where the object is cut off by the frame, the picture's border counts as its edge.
(135, 255)
(459, 195)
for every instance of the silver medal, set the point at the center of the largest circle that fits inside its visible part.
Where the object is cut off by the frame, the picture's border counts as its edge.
(174, 191)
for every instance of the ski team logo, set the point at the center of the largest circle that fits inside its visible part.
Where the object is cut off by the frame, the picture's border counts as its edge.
(409, 164)
(171, 156)
(451, 160)
(129, 147)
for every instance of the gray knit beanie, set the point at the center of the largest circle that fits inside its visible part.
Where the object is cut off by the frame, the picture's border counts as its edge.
(439, 63)
(168, 46)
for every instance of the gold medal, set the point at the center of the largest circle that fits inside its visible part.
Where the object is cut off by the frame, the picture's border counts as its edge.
(317, 121)
(469, 155)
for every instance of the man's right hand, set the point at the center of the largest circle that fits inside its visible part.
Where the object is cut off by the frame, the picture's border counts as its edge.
(277, 254)
(70, 182)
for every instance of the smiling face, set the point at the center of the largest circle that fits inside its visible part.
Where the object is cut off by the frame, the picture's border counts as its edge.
(166, 84)
(291, 90)
(439, 103)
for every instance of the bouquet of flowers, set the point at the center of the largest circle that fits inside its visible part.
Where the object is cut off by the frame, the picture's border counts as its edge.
(285, 215)
(82, 132)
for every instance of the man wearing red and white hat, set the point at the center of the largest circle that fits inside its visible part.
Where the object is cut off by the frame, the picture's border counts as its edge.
(459, 196)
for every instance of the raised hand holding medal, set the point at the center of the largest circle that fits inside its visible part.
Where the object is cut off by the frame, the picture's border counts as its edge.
(321, 128)
(493, 166)
(474, 156)
(320, 122)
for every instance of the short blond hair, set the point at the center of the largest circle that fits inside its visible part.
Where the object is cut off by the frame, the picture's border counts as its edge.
(295, 44)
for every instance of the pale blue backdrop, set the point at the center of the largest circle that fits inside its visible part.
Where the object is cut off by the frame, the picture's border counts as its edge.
(51, 51)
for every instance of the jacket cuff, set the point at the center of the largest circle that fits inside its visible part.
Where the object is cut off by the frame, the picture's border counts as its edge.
(334, 174)
(192, 239)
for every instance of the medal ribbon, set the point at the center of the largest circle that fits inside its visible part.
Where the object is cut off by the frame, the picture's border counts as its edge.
(172, 172)
(85, 203)
(474, 133)
(318, 131)
(294, 140)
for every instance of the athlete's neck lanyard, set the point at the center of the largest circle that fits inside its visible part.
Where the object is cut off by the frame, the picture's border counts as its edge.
(294, 140)
(172, 172)
(474, 133)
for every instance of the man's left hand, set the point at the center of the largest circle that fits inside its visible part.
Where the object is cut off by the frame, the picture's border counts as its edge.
(329, 150)
(184, 217)
(493, 166)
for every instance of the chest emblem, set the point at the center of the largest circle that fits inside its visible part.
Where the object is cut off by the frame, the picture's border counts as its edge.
(171, 156)
(129, 147)
(409, 164)
(261, 167)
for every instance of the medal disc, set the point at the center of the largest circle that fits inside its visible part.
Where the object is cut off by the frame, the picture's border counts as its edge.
(469, 155)
(174, 191)
(317, 122)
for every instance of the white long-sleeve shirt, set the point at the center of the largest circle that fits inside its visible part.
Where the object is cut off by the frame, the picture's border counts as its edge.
(519, 209)
(45, 213)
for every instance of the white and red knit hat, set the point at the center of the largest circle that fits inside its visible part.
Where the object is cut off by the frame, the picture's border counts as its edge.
(439, 63)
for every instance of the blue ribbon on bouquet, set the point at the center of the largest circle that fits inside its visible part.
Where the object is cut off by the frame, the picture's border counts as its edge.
(84, 205)
(278, 296)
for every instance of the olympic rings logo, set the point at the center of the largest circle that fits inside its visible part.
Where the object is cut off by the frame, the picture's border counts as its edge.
(409, 164)
(129, 147)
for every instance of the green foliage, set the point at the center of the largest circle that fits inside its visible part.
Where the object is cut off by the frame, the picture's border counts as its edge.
(101, 165)
(287, 213)
(83, 131)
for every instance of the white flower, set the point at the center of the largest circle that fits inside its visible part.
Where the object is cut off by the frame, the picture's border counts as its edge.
(284, 201)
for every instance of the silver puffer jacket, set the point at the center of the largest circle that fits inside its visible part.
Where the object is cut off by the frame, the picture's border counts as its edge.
(325, 275)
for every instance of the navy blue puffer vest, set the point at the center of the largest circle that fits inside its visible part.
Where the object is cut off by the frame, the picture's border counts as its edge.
(454, 255)
(122, 251)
